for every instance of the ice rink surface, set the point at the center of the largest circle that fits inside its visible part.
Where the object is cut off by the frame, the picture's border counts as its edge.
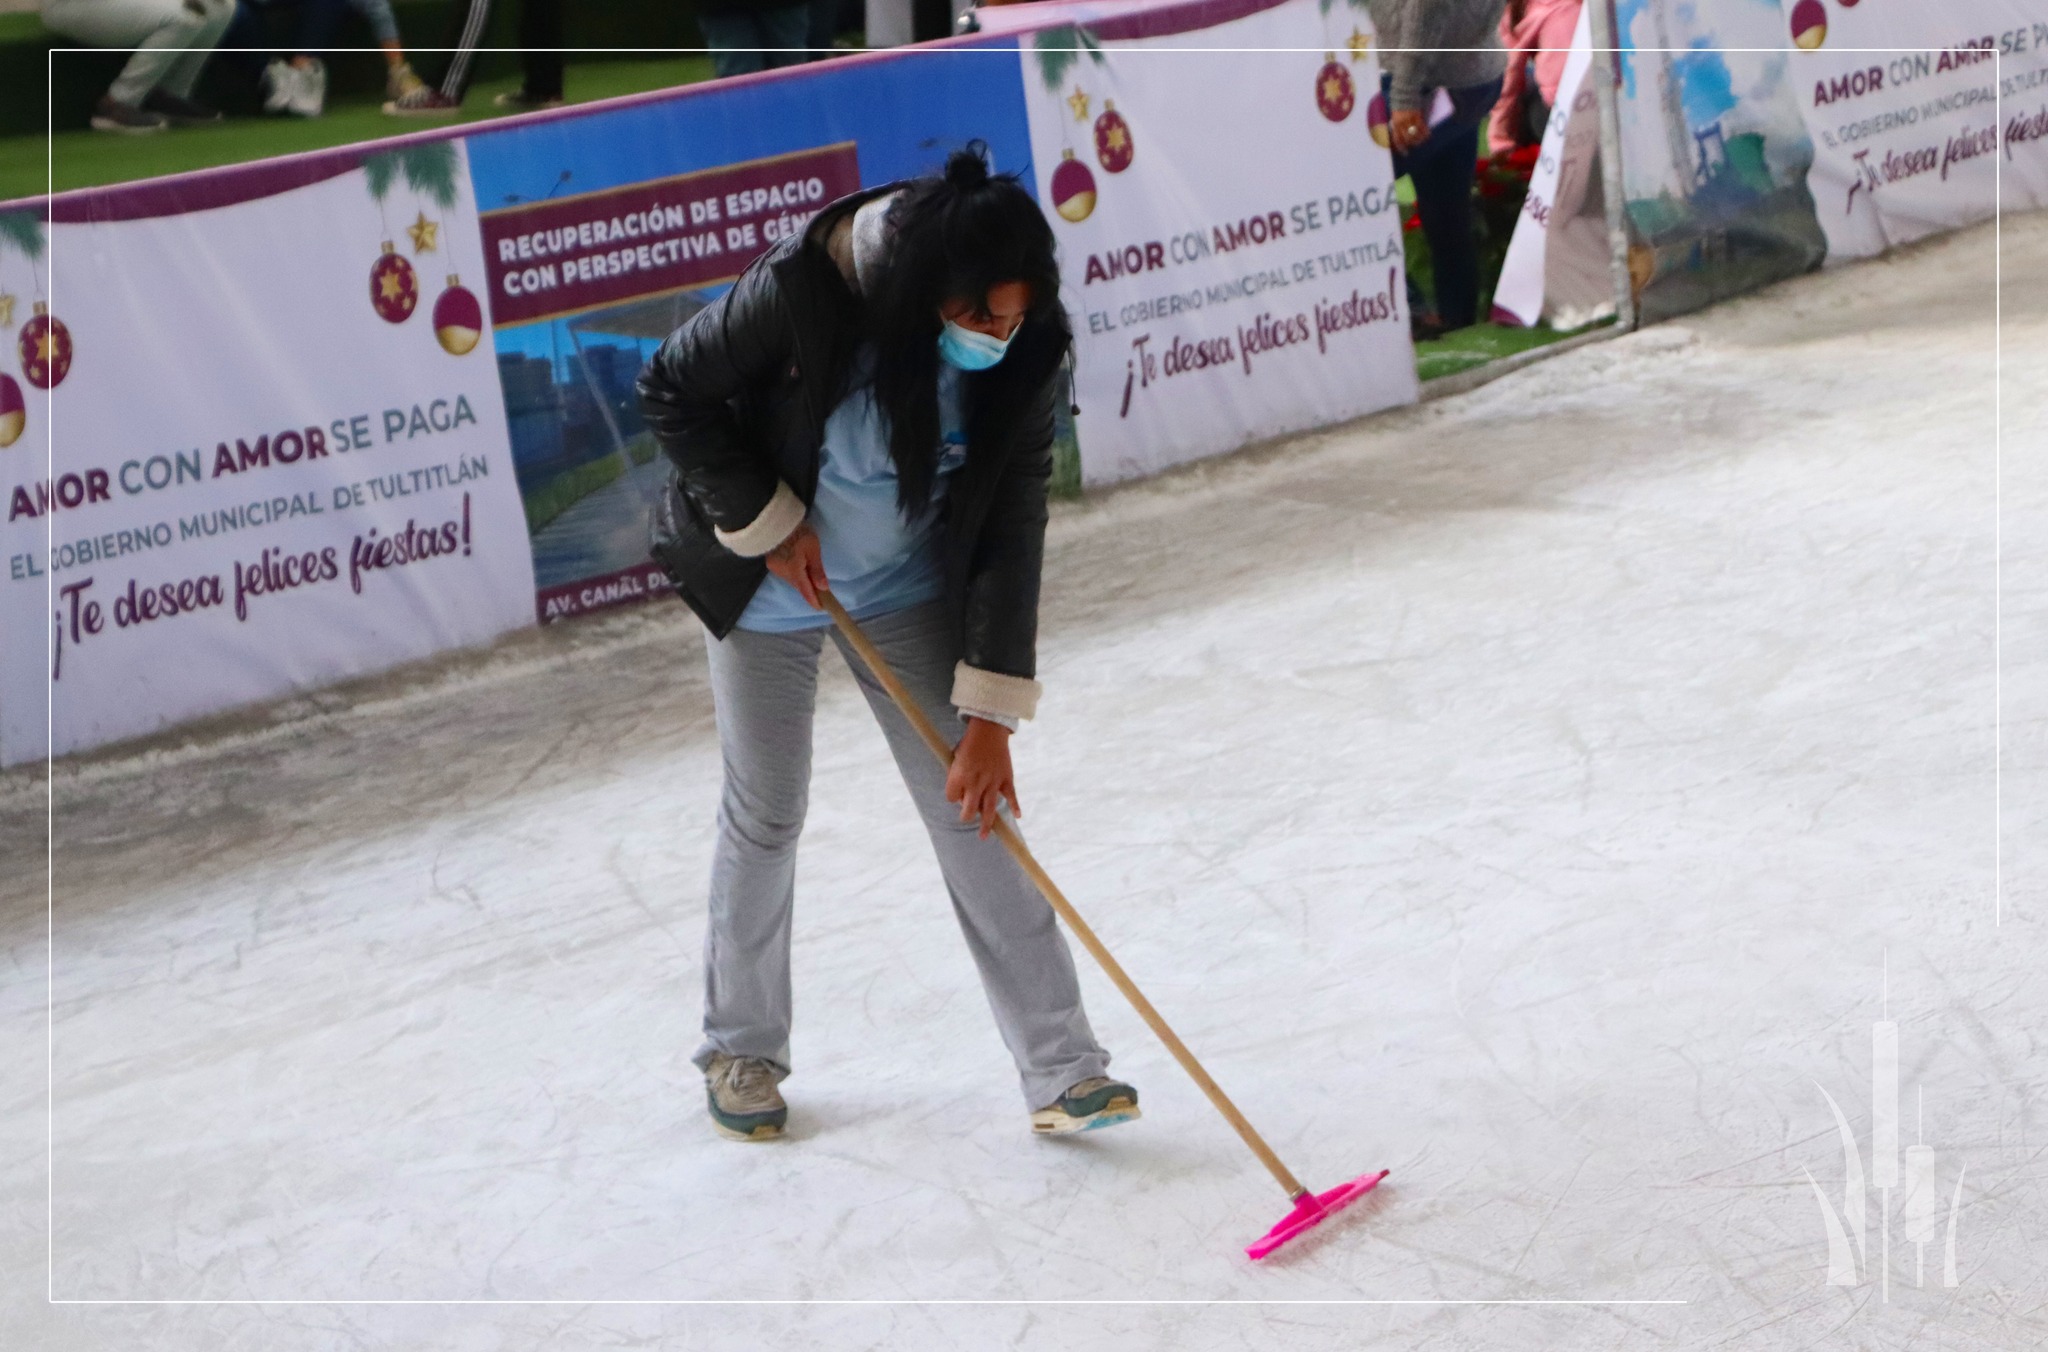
(1526, 792)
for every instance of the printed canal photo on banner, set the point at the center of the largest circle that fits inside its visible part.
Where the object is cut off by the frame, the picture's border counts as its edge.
(602, 235)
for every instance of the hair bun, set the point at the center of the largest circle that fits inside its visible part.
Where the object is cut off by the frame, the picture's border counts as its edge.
(967, 168)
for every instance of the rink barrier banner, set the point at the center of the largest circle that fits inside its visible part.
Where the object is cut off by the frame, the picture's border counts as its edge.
(272, 426)
(279, 456)
(1903, 101)
(1231, 278)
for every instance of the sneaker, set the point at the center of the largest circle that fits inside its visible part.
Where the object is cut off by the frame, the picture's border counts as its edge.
(426, 101)
(745, 1103)
(108, 115)
(280, 80)
(178, 110)
(401, 81)
(1097, 1102)
(309, 91)
(519, 101)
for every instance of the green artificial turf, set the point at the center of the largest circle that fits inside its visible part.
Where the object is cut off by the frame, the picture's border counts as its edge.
(84, 159)
(1462, 349)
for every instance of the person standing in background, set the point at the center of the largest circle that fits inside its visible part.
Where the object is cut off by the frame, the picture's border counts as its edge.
(1443, 62)
(746, 36)
(540, 54)
(1538, 36)
(154, 90)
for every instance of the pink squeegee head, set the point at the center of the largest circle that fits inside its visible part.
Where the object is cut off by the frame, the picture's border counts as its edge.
(1312, 1209)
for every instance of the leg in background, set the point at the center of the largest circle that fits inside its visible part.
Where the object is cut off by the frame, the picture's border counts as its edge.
(175, 39)
(466, 23)
(1011, 931)
(1443, 169)
(735, 40)
(540, 43)
(186, 65)
(786, 32)
(823, 27)
(764, 687)
(319, 20)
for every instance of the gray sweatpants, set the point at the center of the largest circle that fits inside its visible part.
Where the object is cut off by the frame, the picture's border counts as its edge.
(175, 38)
(765, 687)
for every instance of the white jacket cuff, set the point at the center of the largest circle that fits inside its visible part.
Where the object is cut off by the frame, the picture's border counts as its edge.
(783, 514)
(989, 716)
(1011, 696)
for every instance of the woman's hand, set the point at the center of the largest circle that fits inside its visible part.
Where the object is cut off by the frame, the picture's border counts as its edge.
(981, 777)
(1408, 129)
(798, 562)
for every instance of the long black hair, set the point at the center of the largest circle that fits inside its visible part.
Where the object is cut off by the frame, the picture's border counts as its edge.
(952, 236)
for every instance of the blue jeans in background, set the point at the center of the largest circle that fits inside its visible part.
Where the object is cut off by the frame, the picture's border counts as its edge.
(745, 41)
(1443, 169)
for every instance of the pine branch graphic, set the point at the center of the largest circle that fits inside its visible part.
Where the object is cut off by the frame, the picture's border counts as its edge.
(430, 170)
(379, 170)
(24, 232)
(1059, 49)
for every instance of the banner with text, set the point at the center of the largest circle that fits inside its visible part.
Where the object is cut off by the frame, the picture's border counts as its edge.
(1918, 112)
(1231, 276)
(278, 457)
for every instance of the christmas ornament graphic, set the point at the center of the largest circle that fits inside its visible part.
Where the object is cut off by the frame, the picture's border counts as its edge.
(1113, 146)
(24, 234)
(45, 349)
(432, 171)
(458, 318)
(13, 412)
(394, 287)
(1073, 189)
(1376, 121)
(1809, 25)
(1336, 95)
(1072, 186)
(425, 234)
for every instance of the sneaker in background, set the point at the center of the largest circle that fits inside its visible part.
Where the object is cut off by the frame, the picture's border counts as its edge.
(309, 91)
(178, 110)
(519, 101)
(425, 101)
(280, 82)
(401, 81)
(108, 115)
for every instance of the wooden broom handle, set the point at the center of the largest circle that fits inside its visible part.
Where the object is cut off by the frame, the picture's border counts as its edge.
(1061, 906)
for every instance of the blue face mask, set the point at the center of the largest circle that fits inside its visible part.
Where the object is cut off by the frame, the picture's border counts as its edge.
(970, 351)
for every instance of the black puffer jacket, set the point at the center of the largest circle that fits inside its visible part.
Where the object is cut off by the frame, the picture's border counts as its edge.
(738, 398)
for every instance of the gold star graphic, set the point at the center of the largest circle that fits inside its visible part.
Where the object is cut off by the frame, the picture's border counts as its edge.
(393, 286)
(423, 232)
(1333, 90)
(1359, 44)
(6, 310)
(1117, 139)
(46, 349)
(1079, 103)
